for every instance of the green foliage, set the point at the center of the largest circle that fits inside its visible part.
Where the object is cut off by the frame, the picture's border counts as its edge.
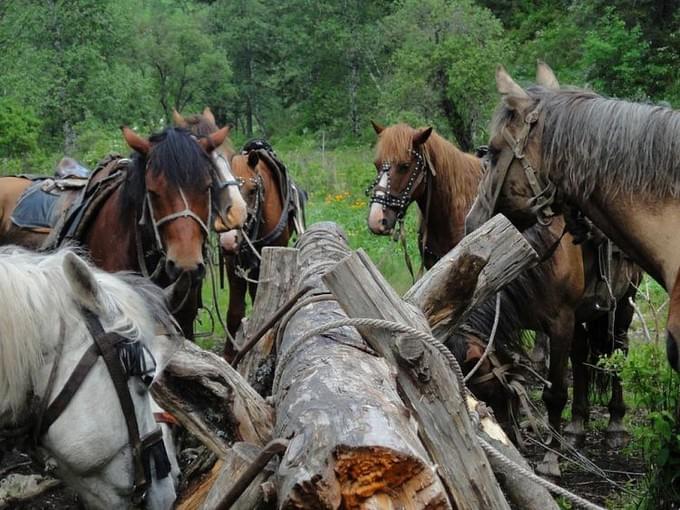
(652, 386)
(19, 128)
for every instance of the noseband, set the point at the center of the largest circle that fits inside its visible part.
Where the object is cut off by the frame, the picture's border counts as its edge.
(111, 347)
(399, 202)
(543, 193)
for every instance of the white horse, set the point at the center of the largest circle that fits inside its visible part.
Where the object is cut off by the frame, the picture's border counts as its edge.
(40, 296)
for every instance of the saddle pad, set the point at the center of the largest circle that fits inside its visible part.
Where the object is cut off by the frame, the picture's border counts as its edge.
(36, 208)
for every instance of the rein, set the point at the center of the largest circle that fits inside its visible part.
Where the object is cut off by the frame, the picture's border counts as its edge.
(111, 347)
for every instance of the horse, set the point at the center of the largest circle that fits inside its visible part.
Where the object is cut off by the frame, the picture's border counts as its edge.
(147, 213)
(560, 297)
(269, 195)
(419, 165)
(78, 352)
(618, 162)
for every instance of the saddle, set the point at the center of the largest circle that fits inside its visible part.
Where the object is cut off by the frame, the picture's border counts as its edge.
(74, 219)
(37, 209)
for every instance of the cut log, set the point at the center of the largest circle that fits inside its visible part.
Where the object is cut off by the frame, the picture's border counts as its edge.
(277, 275)
(212, 400)
(353, 444)
(480, 265)
(428, 385)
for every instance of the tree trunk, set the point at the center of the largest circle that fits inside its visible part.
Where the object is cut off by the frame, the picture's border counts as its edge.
(211, 400)
(352, 443)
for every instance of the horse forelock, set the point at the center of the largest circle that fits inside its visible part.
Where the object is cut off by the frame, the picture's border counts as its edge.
(37, 297)
(202, 127)
(618, 147)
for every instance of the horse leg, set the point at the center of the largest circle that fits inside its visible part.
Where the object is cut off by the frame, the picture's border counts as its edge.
(237, 307)
(555, 397)
(539, 354)
(616, 435)
(575, 431)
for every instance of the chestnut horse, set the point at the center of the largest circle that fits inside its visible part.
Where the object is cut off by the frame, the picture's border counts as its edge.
(156, 220)
(268, 195)
(557, 297)
(618, 162)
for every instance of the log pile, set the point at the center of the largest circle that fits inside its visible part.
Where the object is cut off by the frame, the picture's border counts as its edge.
(372, 418)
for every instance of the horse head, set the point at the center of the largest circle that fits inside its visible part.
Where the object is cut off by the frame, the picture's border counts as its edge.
(230, 208)
(176, 180)
(515, 182)
(401, 174)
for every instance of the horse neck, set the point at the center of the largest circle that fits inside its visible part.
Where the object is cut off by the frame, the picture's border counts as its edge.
(452, 191)
(273, 201)
(110, 238)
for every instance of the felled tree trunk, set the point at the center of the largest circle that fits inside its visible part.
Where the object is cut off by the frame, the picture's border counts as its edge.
(277, 276)
(352, 442)
(212, 400)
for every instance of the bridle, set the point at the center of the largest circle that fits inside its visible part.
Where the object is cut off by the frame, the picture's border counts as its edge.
(543, 192)
(112, 348)
(399, 202)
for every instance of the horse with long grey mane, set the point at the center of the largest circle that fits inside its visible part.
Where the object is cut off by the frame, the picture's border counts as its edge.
(618, 162)
(82, 343)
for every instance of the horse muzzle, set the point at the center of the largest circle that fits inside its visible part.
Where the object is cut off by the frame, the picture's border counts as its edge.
(230, 242)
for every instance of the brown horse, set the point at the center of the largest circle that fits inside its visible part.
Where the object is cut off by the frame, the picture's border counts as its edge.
(558, 297)
(267, 193)
(418, 165)
(616, 161)
(156, 217)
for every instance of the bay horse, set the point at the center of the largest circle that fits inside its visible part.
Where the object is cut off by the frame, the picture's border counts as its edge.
(419, 165)
(55, 310)
(618, 162)
(155, 218)
(268, 193)
(560, 297)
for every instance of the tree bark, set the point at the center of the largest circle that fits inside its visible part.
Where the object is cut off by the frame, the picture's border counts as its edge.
(352, 442)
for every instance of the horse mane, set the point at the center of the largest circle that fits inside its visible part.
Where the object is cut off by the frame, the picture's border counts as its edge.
(519, 293)
(457, 173)
(176, 155)
(36, 296)
(620, 148)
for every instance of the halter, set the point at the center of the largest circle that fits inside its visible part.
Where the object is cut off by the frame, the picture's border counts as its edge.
(398, 203)
(112, 348)
(543, 194)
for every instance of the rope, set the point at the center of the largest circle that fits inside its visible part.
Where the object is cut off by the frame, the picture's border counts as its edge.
(492, 336)
(453, 364)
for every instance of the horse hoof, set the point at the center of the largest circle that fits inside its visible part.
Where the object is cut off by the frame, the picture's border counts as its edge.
(616, 439)
(576, 440)
(550, 466)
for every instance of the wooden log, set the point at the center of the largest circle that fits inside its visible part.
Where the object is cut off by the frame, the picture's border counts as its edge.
(277, 275)
(480, 265)
(212, 400)
(427, 384)
(352, 443)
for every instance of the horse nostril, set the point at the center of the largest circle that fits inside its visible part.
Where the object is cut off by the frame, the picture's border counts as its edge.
(199, 273)
(171, 269)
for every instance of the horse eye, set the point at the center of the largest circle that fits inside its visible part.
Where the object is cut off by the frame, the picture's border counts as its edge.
(404, 167)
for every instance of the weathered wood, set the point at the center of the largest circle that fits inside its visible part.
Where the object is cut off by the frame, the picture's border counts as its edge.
(353, 444)
(481, 264)
(427, 384)
(277, 275)
(211, 400)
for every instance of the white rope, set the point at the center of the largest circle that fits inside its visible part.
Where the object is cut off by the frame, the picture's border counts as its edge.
(453, 364)
(489, 344)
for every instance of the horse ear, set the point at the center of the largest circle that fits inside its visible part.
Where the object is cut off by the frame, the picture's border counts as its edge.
(82, 281)
(377, 127)
(208, 114)
(136, 142)
(214, 140)
(421, 136)
(545, 76)
(513, 95)
(253, 159)
(177, 119)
